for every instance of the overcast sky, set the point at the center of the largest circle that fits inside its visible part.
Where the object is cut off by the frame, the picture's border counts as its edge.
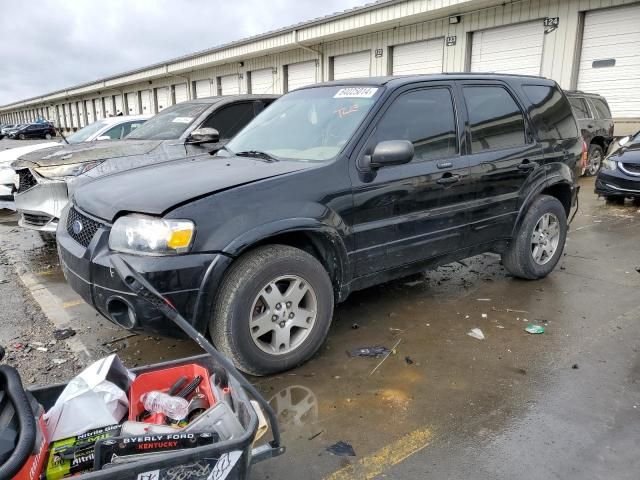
(52, 44)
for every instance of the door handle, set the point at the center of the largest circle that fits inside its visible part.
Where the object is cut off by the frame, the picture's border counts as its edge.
(526, 166)
(448, 180)
(443, 165)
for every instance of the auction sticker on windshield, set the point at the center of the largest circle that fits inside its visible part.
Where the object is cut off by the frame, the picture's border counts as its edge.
(182, 120)
(356, 92)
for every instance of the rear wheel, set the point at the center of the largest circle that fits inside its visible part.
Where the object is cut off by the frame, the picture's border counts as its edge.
(594, 162)
(21, 136)
(47, 136)
(537, 246)
(273, 310)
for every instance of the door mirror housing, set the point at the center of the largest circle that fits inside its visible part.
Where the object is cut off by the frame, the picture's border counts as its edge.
(389, 153)
(204, 135)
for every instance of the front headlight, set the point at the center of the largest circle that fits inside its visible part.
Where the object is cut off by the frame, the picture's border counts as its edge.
(70, 170)
(608, 164)
(151, 236)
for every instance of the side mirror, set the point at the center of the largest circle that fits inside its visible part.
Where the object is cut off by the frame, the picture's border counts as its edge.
(104, 137)
(204, 135)
(388, 153)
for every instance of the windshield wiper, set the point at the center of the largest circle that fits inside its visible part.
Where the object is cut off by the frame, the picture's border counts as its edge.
(257, 154)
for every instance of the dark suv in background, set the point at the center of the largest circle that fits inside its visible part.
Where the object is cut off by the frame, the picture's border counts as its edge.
(334, 188)
(596, 126)
(34, 130)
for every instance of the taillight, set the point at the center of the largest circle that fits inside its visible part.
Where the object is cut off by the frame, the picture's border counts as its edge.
(583, 159)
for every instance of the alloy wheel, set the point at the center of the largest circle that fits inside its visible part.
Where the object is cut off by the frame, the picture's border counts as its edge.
(595, 160)
(545, 238)
(283, 314)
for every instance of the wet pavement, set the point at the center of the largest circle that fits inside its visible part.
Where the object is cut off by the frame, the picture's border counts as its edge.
(563, 404)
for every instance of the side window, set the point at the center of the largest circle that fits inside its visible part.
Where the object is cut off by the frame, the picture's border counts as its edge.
(424, 117)
(550, 112)
(495, 119)
(113, 133)
(231, 119)
(579, 106)
(127, 128)
(601, 108)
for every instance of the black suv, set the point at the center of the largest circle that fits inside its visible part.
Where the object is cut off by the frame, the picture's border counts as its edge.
(34, 130)
(595, 123)
(334, 188)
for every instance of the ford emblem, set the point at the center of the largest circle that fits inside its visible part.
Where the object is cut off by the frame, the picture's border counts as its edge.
(76, 226)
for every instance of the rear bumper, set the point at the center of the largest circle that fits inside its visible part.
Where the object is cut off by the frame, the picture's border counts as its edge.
(188, 281)
(41, 205)
(617, 183)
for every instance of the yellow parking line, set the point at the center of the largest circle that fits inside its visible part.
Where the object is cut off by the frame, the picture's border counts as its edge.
(46, 272)
(394, 453)
(73, 303)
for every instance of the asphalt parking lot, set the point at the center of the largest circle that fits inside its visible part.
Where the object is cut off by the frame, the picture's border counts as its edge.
(563, 404)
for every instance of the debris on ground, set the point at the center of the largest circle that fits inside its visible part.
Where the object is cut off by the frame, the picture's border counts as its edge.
(409, 360)
(341, 449)
(484, 315)
(355, 326)
(316, 435)
(575, 366)
(476, 333)
(511, 310)
(393, 350)
(63, 333)
(42, 349)
(531, 328)
(59, 361)
(483, 299)
(375, 351)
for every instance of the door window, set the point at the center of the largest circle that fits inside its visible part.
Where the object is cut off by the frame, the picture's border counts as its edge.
(129, 127)
(601, 108)
(231, 119)
(424, 117)
(550, 112)
(495, 119)
(580, 109)
(114, 133)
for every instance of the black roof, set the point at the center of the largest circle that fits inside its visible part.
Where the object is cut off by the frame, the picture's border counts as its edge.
(399, 80)
(231, 98)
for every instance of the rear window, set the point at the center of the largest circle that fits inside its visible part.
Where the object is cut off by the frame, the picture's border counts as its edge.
(601, 108)
(580, 108)
(550, 112)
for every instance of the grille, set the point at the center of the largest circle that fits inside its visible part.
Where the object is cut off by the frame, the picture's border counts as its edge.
(88, 230)
(26, 180)
(632, 167)
(36, 220)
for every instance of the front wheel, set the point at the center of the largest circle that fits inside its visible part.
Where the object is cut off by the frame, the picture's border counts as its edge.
(47, 136)
(537, 246)
(594, 162)
(273, 310)
(21, 136)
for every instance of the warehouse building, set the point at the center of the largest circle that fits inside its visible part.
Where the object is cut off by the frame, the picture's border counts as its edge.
(589, 45)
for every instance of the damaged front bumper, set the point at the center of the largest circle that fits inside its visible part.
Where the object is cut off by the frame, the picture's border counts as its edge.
(39, 201)
(6, 183)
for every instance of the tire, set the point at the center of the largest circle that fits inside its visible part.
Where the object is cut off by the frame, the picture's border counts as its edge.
(47, 237)
(518, 259)
(47, 136)
(242, 300)
(614, 199)
(594, 160)
(22, 137)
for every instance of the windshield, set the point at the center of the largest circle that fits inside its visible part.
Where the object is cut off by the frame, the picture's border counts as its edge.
(170, 124)
(310, 125)
(84, 133)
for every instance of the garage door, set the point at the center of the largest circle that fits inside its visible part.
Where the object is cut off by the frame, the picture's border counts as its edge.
(229, 85)
(301, 74)
(145, 101)
(512, 49)
(88, 106)
(418, 57)
(262, 81)
(203, 88)
(132, 103)
(108, 106)
(74, 115)
(119, 104)
(162, 97)
(181, 93)
(354, 65)
(610, 58)
(97, 105)
(80, 107)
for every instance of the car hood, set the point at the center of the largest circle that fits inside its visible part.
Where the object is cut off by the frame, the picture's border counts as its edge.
(627, 154)
(86, 152)
(12, 154)
(156, 189)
